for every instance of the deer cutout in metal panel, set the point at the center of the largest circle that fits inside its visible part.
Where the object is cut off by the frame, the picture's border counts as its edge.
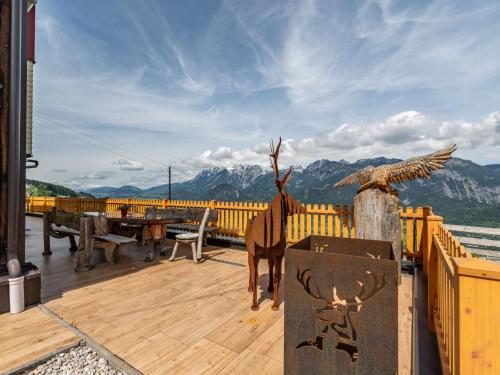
(265, 234)
(336, 313)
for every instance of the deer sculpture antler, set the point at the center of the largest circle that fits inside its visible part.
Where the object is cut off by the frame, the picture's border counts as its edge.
(363, 295)
(274, 163)
(304, 278)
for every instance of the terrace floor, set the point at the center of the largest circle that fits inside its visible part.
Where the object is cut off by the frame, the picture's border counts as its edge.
(161, 317)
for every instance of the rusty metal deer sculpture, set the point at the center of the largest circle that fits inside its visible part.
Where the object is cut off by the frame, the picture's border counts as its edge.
(265, 235)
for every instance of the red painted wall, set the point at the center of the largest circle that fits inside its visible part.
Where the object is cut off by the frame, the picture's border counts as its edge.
(30, 45)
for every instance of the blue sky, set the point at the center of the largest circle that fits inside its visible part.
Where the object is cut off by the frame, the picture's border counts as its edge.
(125, 87)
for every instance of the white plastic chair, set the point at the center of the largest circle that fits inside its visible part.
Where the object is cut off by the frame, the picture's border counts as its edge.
(192, 238)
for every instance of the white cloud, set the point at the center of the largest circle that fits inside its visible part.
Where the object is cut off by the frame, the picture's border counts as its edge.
(130, 165)
(333, 54)
(401, 135)
(103, 175)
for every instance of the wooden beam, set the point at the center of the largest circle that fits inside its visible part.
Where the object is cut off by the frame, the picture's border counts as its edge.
(477, 268)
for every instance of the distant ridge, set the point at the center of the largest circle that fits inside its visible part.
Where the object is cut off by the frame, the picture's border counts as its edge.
(493, 167)
(44, 189)
(464, 192)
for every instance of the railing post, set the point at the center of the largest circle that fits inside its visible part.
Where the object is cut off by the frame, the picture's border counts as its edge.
(212, 204)
(431, 227)
(477, 347)
(427, 232)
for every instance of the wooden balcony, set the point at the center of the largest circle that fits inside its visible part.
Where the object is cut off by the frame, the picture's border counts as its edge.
(162, 317)
(159, 317)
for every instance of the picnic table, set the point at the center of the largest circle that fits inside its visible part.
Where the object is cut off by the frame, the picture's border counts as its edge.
(152, 230)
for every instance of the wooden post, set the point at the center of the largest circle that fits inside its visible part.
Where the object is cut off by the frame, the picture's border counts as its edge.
(427, 232)
(477, 347)
(46, 233)
(86, 244)
(169, 183)
(377, 217)
(431, 227)
(100, 225)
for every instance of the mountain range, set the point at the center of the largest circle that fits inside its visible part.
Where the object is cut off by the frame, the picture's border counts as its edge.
(463, 192)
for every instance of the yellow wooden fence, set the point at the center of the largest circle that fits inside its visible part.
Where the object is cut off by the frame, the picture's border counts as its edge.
(322, 219)
(463, 302)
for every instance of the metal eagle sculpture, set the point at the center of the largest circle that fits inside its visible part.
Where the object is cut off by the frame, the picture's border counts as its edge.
(382, 176)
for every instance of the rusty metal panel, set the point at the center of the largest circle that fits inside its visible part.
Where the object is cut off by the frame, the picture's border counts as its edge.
(341, 307)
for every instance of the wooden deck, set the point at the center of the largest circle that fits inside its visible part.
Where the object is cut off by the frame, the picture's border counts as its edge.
(167, 317)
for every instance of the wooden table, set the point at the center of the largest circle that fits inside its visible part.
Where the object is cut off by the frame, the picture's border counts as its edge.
(153, 231)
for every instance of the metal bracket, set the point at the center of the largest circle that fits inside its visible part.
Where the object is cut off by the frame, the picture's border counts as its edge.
(34, 163)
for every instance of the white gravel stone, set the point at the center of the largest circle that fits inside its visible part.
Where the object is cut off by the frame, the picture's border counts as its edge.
(80, 360)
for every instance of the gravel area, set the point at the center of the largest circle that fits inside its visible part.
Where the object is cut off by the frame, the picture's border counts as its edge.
(80, 360)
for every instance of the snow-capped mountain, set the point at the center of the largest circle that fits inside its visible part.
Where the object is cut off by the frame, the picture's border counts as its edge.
(460, 191)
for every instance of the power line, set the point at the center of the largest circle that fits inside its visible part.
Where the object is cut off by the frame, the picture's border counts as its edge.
(97, 145)
(54, 123)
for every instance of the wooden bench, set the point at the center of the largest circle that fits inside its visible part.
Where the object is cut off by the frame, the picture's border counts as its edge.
(92, 232)
(60, 224)
(191, 218)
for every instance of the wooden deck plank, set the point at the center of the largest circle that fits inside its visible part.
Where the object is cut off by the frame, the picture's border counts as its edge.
(204, 357)
(271, 342)
(250, 362)
(151, 353)
(241, 330)
(405, 297)
(30, 335)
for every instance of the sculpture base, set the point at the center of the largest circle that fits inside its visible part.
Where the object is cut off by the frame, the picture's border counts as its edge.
(377, 217)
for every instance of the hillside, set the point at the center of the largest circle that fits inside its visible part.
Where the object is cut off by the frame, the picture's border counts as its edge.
(493, 167)
(44, 189)
(464, 192)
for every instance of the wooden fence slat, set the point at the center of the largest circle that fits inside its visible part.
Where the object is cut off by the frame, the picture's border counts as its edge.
(337, 221)
(315, 219)
(330, 215)
(322, 224)
(308, 220)
(345, 222)
(409, 230)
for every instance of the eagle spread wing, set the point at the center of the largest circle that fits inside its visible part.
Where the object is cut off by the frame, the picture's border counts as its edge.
(418, 167)
(351, 179)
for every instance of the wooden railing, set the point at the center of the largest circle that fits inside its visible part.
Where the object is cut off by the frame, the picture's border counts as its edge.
(330, 220)
(479, 241)
(464, 303)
